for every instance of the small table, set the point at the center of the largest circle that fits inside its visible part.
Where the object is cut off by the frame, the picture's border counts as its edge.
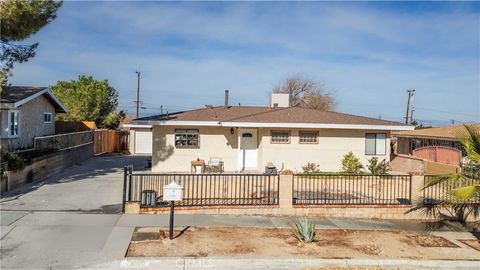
(196, 163)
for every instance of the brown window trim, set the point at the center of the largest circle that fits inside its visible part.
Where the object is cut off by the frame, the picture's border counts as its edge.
(309, 131)
(280, 130)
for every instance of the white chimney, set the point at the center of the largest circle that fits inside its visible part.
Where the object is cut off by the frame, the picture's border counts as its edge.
(280, 100)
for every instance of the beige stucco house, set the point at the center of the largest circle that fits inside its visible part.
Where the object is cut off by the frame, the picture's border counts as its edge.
(246, 138)
(25, 113)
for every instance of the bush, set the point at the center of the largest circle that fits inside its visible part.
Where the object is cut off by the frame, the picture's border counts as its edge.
(351, 164)
(305, 230)
(14, 161)
(311, 168)
(378, 168)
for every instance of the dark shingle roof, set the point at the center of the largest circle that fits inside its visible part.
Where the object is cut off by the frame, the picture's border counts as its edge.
(269, 115)
(17, 95)
(12, 94)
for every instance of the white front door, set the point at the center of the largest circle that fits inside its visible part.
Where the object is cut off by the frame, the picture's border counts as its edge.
(247, 154)
(143, 142)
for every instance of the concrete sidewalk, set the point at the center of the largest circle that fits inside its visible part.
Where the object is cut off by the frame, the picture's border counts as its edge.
(75, 240)
(285, 263)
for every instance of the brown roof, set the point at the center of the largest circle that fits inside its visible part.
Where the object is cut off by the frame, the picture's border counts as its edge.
(440, 132)
(12, 94)
(268, 115)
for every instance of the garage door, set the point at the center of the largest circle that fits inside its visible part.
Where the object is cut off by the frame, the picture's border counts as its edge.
(143, 142)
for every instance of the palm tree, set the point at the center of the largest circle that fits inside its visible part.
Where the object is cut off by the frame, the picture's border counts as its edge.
(463, 199)
(469, 137)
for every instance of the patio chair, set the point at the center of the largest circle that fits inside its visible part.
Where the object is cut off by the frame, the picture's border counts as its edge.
(215, 164)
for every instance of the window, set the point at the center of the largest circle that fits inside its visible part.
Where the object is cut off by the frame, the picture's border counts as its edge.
(308, 137)
(47, 117)
(13, 123)
(280, 137)
(375, 144)
(187, 138)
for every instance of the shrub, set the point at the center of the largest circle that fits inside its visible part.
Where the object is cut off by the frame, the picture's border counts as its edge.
(311, 167)
(305, 230)
(351, 164)
(14, 161)
(378, 168)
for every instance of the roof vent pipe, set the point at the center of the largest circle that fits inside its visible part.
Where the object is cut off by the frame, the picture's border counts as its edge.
(226, 98)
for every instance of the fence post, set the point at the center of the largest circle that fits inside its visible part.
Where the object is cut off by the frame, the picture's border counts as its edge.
(130, 190)
(124, 195)
(416, 185)
(285, 191)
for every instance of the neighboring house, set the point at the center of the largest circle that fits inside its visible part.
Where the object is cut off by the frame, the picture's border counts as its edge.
(247, 138)
(408, 141)
(432, 144)
(27, 112)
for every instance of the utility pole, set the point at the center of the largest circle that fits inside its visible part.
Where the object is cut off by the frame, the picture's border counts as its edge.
(138, 93)
(408, 120)
(161, 109)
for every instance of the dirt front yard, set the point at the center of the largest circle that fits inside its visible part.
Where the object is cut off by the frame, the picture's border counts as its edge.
(275, 242)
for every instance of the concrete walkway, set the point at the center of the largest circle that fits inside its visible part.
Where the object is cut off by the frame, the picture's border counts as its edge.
(72, 221)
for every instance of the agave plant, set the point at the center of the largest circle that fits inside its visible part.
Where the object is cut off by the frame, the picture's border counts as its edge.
(305, 230)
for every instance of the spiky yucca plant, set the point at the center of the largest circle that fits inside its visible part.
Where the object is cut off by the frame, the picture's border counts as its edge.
(305, 230)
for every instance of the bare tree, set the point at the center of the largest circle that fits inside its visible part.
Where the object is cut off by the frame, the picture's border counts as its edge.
(306, 93)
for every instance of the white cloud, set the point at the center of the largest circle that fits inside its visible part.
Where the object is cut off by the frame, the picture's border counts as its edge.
(188, 54)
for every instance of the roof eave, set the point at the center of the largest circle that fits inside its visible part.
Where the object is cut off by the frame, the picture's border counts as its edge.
(270, 125)
(59, 108)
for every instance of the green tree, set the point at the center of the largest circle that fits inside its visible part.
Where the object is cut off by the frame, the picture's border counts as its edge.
(87, 99)
(18, 21)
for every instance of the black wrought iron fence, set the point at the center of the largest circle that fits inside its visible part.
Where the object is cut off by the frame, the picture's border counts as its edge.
(202, 189)
(317, 189)
(438, 193)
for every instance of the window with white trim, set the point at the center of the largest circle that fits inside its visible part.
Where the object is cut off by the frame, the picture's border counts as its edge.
(13, 123)
(375, 144)
(47, 117)
(187, 138)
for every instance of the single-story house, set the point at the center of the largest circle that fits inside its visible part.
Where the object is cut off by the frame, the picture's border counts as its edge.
(247, 138)
(27, 112)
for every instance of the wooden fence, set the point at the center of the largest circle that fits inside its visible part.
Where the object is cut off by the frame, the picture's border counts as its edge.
(441, 154)
(110, 141)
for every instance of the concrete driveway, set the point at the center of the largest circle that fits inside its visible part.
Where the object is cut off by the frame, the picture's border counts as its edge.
(93, 186)
(68, 220)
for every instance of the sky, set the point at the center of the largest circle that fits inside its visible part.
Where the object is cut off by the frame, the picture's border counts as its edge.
(366, 54)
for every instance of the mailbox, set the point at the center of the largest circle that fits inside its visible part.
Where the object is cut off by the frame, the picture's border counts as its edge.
(172, 192)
